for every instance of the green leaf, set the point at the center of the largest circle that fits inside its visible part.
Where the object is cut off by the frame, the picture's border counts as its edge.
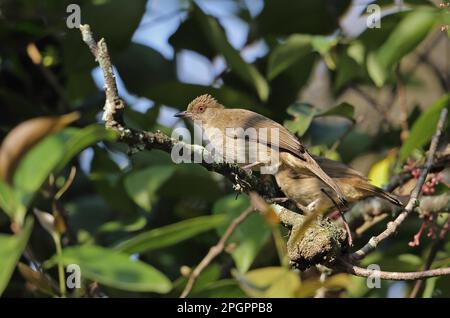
(170, 234)
(141, 67)
(82, 138)
(10, 203)
(380, 171)
(297, 46)
(113, 269)
(303, 115)
(217, 39)
(343, 110)
(117, 31)
(51, 155)
(284, 17)
(163, 93)
(286, 54)
(250, 236)
(107, 179)
(270, 282)
(423, 128)
(323, 44)
(225, 288)
(11, 248)
(142, 185)
(36, 166)
(404, 38)
(430, 285)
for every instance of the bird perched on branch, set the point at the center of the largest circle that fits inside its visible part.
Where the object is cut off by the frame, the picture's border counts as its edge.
(254, 141)
(306, 190)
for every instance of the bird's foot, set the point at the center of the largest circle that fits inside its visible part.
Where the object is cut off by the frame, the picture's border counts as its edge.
(310, 208)
(240, 184)
(279, 200)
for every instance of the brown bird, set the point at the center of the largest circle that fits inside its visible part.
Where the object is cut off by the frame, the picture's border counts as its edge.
(223, 128)
(302, 187)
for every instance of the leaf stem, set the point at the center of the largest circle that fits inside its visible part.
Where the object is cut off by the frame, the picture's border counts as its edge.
(61, 276)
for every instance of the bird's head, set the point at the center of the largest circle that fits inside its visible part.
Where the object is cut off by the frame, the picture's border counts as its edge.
(201, 108)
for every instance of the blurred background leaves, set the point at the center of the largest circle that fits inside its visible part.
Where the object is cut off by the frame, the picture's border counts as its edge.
(135, 222)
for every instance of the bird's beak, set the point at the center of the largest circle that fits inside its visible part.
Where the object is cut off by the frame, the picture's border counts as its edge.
(183, 114)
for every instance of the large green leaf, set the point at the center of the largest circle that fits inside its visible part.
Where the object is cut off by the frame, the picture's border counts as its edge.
(342, 110)
(423, 128)
(147, 73)
(108, 180)
(117, 31)
(11, 247)
(51, 155)
(404, 38)
(79, 139)
(249, 237)
(10, 203)
(286, 54)
(142, 185)
(217, 39)
(225, 288)
(171, 234)
(185, 93)
(304, 114)
(284, 17)
(114, 269)
(141, 67)
(270, 282)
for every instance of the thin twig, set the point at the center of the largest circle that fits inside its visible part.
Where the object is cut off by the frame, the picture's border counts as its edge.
(369, 99)
(347, 227)
(413, 200)
(349, 129)
(214, 251)
(67, 184)
(363, 272)
(438, 244)
(401, 93)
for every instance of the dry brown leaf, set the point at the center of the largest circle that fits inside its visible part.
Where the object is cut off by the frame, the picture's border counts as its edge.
(24, 136)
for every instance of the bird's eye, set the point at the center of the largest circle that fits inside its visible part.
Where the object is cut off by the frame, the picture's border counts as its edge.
(201, 109)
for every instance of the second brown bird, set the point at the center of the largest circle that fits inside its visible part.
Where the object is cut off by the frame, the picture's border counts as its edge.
(301, 186)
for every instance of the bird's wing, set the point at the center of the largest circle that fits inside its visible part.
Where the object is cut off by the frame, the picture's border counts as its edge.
(336, 169)
(245, 119)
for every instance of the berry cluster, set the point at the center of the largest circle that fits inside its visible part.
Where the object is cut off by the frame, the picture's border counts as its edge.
(428, 220)
(429, 186)
(432, 181)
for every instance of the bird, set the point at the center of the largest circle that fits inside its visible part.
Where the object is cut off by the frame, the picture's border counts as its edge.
(275, 144)
(312, 195)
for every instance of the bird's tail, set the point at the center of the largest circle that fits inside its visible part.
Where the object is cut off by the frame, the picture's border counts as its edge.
(310, 164)
(382, 194)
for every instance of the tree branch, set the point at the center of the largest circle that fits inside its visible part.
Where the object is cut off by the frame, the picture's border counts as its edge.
(363, 272)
